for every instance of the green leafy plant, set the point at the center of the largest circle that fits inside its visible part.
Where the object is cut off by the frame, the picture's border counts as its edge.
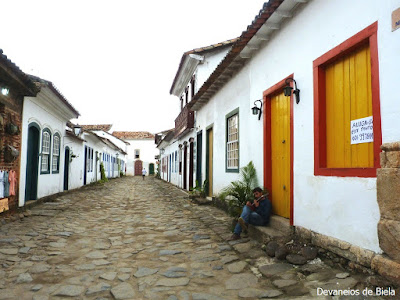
(241, 191)
(103, 173)
(199, 190)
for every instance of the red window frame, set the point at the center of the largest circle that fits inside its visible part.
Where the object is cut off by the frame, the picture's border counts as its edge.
(366, 36)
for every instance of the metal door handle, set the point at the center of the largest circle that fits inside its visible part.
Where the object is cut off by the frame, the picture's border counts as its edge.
(284, 187)
(283, 141)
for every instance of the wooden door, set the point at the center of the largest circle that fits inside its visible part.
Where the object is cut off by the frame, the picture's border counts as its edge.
(280, 154)
(209, 162)
(199, 158)
(66, 169)
(151, 169)
(184, 167)
(32, 162)
(191, 157)
(138, 167)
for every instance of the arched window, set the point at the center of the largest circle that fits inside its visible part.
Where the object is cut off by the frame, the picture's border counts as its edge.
(46, 143)
(56, 154)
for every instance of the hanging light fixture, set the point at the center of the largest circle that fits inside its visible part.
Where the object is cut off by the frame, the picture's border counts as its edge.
(287, 90)
(77, 130)
(257, 110)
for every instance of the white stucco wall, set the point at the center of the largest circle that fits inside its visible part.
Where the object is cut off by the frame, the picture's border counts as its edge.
(211, 61)
(76, 147)
(148, 151)
(176, 178)
(343, 207)
(34, 110)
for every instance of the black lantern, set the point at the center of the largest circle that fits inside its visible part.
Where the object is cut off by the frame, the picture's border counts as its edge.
(77, 130)
(287, 90)
(257, 110)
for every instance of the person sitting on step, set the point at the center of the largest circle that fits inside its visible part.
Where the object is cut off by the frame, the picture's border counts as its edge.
(256, 213)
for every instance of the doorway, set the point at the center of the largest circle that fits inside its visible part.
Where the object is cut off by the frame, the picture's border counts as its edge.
(66, 168)
(209, 162)
(278, 153)
(199, 149)
(185, 167)
(151, 169)
(191, 157)
(32, 162)
(138, 167)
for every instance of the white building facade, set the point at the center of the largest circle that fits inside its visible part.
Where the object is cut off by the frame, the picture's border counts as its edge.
(43, 138)
(141, 151)
(320, 173)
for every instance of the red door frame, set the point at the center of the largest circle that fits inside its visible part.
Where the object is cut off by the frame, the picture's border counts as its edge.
(267, 140)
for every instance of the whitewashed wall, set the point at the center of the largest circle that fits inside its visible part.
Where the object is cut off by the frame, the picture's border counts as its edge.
(76, 164)
(345, 208)
(35, 111)
(148, 151)
(176, 178)
(205, 69)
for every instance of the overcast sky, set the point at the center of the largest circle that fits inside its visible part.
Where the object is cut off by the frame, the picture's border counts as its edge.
(115, 60)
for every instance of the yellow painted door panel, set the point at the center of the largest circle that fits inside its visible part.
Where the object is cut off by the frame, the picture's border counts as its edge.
(348, 97)
(280, 154)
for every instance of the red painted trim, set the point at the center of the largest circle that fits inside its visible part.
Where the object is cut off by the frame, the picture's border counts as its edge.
(267, 141)
(291, 157)
(366, 36)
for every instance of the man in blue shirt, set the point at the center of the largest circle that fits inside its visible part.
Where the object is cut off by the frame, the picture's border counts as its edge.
(256, 213)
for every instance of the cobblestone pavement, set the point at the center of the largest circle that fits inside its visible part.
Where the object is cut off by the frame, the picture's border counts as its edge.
(143, 239)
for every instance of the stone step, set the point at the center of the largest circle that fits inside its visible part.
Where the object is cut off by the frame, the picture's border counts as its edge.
(264, 234)
(281, 224)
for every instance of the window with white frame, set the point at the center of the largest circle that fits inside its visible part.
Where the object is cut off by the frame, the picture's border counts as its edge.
(56, 154)
(232, 142)
(137, 153)
(46, 143)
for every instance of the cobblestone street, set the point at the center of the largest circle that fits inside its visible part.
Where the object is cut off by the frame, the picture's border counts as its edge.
(143, 239)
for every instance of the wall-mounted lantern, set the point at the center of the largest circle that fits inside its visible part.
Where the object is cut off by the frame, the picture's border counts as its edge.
(77, 130)
(287, 90)
(257, 110)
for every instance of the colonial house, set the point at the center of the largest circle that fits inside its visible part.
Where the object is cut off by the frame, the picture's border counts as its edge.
(181, 161)
(101, 147)
(318, 151)
(141, 151)
(74, 149)
(43, 135)
(14, 86)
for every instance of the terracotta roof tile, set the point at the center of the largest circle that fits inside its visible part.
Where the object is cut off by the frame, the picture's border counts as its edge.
(135, 135)
(265, 13)
(104, 127)
(30, 88)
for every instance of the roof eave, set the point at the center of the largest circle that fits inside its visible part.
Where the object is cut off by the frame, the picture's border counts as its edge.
(242, 50)
(185, 71)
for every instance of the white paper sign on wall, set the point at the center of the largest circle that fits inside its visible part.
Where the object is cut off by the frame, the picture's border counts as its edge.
(362, 130)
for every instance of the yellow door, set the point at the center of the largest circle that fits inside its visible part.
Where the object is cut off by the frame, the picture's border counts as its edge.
(210, 162)
(280, 154)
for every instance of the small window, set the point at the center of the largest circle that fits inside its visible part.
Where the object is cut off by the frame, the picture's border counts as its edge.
(192, 86)
(186, 95)
(232, 142)
(46, 143)
(56, 154)
(137, 153)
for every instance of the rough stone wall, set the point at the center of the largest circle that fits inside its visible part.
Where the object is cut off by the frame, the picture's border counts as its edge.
(388, 189)
(11, 111)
